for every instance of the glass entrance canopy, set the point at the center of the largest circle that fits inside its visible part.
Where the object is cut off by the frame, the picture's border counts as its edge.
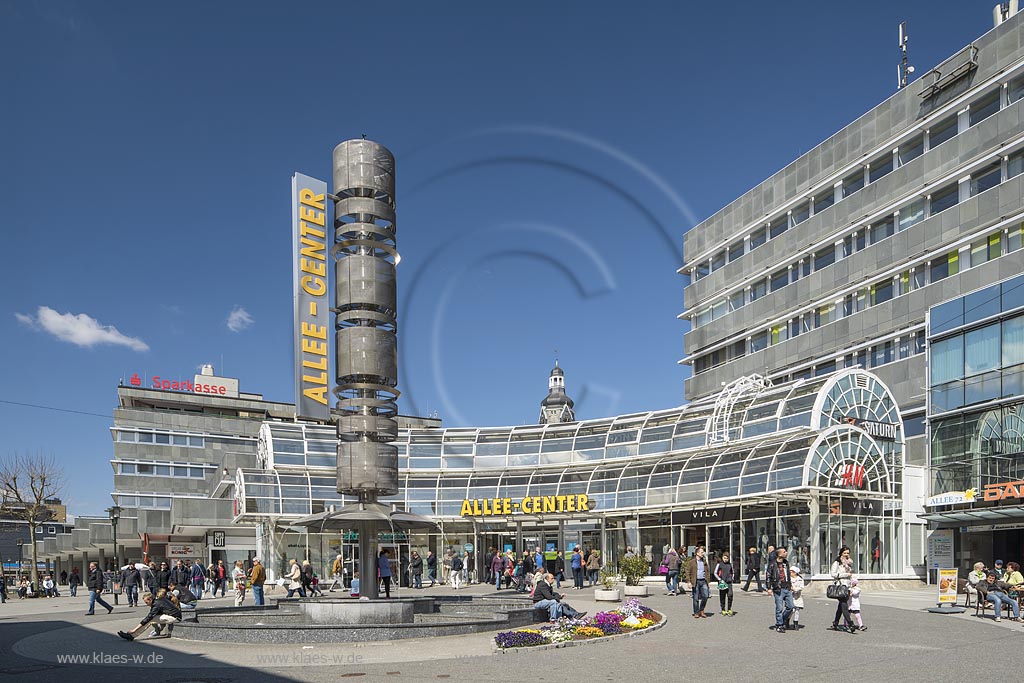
(838, 432)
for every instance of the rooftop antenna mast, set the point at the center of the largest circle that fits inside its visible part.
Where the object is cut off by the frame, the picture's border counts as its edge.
(903, 70)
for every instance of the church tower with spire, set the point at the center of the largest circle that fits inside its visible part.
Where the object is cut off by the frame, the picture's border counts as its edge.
(556, 406)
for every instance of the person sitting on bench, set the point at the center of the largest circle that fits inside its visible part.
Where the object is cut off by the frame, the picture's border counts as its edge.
(544, 597)
(997, 592)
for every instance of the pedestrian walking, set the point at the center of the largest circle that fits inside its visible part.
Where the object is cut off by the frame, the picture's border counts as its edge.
(671, 563)
(576, 564)
(855, 604)
(698, 572)
(416, 570)
(3, 589)
(842, 573)
(724, 574)
(432, 567)
(456, 572)
(257, 577)
(753, 569)
(306, 578)
(559, 570)
(384, 570)
(197, 574)
(295, 580)
(222, 577)
(238, 579)
(162, 576)
(337, 573)
(446, 566)
(488, 559)
(179, 574)
(161, 611)
(95, 582)
(796, 581)
(131, 580)
(74, 581)
(779, 583)
(594, 566)
(498, 569)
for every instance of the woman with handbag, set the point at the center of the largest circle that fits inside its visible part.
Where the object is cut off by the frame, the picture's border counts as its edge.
(671, 567)
(238, 579)
(842, 572)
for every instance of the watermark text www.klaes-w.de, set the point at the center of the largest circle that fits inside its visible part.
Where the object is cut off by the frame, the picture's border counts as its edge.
(110, 658)
(307, 659)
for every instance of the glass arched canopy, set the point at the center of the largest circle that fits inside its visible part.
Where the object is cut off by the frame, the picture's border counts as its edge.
(841, 431)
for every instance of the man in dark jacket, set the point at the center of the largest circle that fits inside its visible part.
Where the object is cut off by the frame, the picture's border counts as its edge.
(488, 559)
(96, 583)
(161, 610)
(997, 592)
(753, 570)
(180, 574)
(183, 597)
(131, 580)
(432, 567)
(780, 584)
(527, 569)
(544, 597)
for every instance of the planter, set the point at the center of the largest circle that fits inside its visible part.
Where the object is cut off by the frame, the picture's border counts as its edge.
(607, 595)
(636, 591)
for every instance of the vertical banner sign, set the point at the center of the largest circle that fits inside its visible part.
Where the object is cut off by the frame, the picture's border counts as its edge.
(311, 297)
(947, 586)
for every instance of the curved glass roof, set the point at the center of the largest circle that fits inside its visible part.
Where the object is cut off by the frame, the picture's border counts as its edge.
(807, 433)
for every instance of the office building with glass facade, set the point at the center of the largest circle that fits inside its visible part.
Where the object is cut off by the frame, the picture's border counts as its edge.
(976, 422)
(814, 463)
(834, 261)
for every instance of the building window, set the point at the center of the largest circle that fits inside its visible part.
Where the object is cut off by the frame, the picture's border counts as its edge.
(779, 333)
(882, 354)
(881, 292)
(823, 315)
(801, 213)
(981, 350)
(984, 107)
(717, 261)
(1015, 164)
(944, 266)
(945, 198)
(758, 341)
(736, 300)
(853, 183)
(701, 271)
(824, 257)
(883, 229)
(1015, 238)
(881, 167)
(985, 179)
(735, 251)
(947, 360)
(778, 226)
(986, 249)
(942, 131)
(780, 279)
(758, 237)
(758, 289)
(911, 214)
(1015, 90)
(911, 149)
(827, 199)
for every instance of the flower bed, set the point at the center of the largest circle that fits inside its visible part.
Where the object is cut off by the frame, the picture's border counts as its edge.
(631, 616)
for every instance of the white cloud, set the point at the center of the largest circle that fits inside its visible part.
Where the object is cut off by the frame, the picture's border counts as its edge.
(239, 319)
(80, 330)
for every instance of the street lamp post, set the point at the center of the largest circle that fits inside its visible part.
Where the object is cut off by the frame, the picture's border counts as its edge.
(115, 514)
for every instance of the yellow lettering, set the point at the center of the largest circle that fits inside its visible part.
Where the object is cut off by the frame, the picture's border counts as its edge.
(561, 503)
(316, 379)
(549, 504)
(570, 503)
(467, 511)
(305, 230)
(318, 331)
(314, 249)
(314, 217)
(312, 267)
(320, 364)
(536, 505)
(307, 197)
(320, 348)
(476, 507)
(313, 286)
(506, 506)
(525, 506)
(487, 508)
(582, 502)
(496, 509)
(318, 394)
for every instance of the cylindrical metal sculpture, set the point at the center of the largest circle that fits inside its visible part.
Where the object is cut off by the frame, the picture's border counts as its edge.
(366, 346)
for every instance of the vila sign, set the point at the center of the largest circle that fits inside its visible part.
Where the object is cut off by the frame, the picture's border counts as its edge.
(310, 298)
(1009, 489)
(710, 515)
(531, 505)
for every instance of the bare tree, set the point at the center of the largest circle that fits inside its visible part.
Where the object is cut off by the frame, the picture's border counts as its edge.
(26, 483)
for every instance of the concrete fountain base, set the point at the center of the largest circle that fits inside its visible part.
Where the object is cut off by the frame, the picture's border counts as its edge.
(345, 620)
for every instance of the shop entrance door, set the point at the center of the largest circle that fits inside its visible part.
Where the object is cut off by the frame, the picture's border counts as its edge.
(720, 540)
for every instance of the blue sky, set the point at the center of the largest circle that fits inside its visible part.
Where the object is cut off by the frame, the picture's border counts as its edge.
(549, 158)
